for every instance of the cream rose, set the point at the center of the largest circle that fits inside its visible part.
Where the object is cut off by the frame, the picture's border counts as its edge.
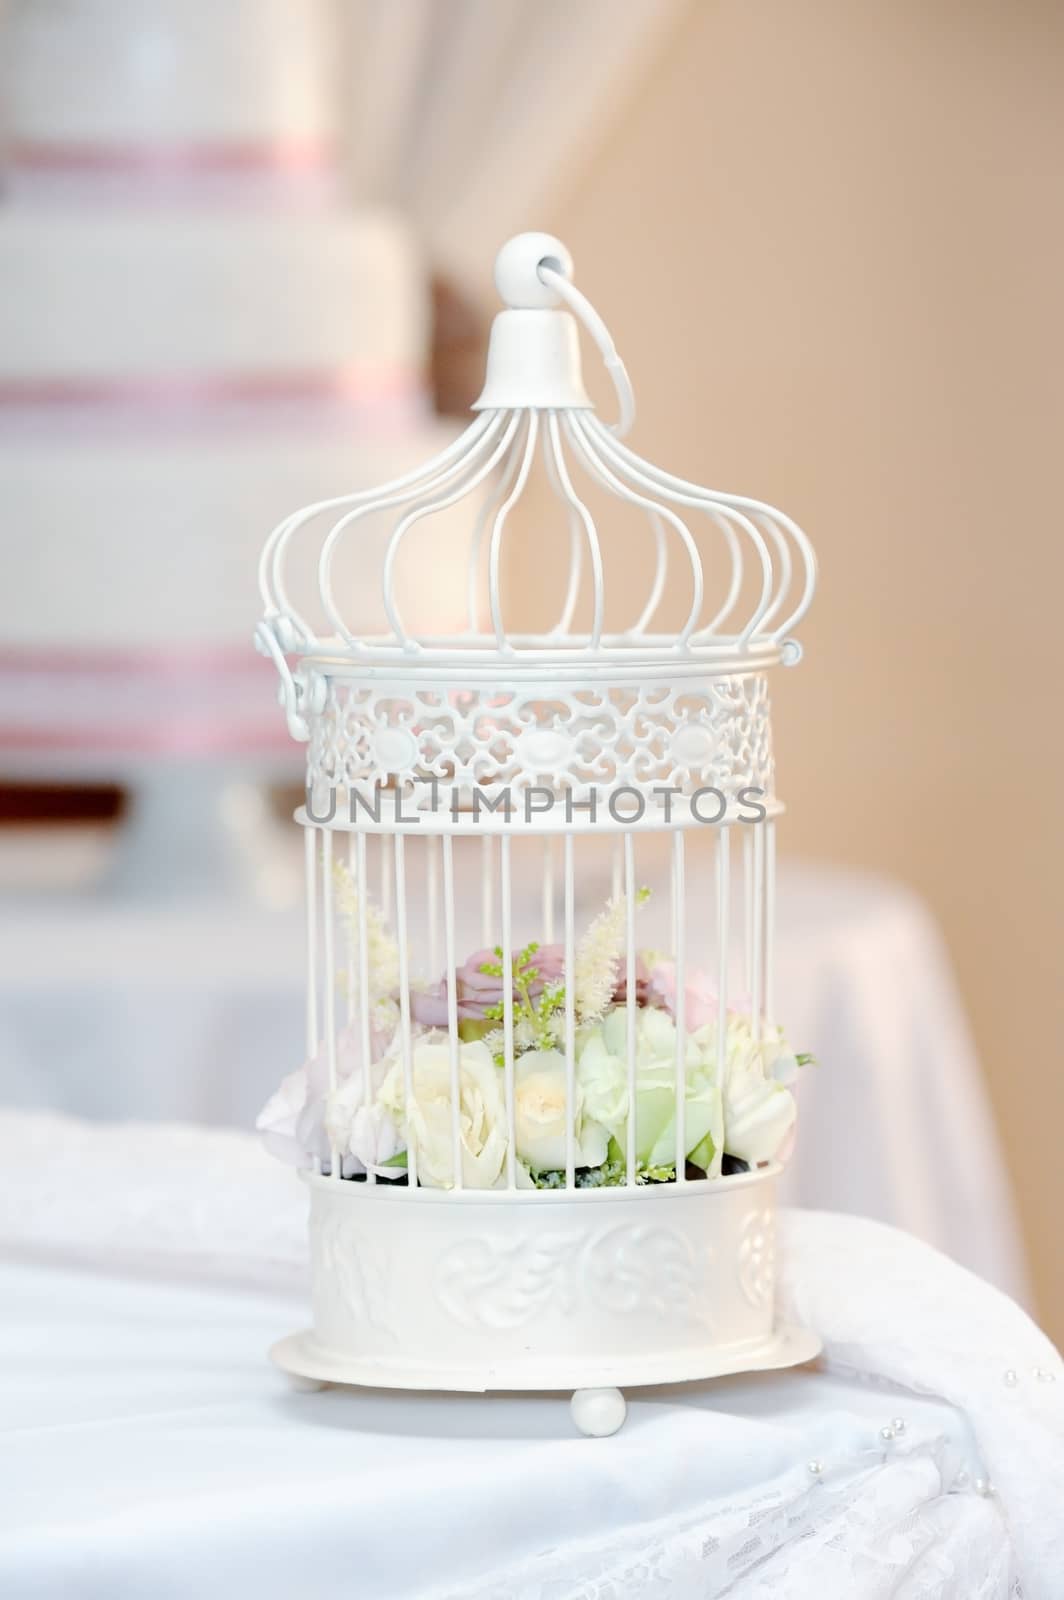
(541, 1114)
(426, 1119)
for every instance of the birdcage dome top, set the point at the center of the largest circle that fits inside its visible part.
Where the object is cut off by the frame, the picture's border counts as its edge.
(728, 578)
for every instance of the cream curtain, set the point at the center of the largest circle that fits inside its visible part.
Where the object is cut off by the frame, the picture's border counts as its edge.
(468, 113)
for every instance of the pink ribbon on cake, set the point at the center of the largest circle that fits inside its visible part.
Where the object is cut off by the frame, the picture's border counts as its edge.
(304, 171)
(288, 155)
(381, 398)
(156, 661)
(176, 701)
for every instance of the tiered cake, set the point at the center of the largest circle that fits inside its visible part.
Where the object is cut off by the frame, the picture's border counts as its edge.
(195, 333)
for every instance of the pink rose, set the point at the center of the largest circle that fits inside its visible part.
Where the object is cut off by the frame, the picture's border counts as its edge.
(476, 990)
(700, 994)
(643, 992)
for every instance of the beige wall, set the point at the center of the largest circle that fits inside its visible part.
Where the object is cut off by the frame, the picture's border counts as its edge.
(829, 240)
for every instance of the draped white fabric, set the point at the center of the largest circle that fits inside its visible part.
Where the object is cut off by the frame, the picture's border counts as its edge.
(466, 113)
(147, 1447)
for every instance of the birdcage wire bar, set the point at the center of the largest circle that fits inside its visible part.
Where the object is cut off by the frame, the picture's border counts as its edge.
(498, 451)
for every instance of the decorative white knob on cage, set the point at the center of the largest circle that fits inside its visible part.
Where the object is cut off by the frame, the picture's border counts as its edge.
(485, 1135)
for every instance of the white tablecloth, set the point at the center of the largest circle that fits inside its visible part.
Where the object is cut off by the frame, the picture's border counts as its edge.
(146, 1448)
(163, 1459)
(110, 1010)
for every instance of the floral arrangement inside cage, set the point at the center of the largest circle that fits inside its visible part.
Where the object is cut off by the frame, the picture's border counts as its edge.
(546, 1094)
(739, 1111)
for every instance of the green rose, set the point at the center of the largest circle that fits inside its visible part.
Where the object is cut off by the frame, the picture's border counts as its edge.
(603, 1077)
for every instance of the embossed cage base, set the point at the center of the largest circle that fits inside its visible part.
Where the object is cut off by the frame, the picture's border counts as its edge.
(585, 1289)
(300, 1356)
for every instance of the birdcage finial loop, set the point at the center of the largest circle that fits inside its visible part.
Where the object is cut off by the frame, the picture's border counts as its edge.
(518, 275)
(598, 330)
(534, 356)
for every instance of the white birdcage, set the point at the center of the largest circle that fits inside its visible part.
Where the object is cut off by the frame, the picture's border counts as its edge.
(551, 1163)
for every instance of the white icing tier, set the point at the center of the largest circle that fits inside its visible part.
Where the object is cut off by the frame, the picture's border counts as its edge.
(117, 73)
(153, 541)
(176, 378)
(160, 297)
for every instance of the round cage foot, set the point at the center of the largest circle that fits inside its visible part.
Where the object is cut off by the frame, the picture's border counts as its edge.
(598, 1412)
(300, 1385)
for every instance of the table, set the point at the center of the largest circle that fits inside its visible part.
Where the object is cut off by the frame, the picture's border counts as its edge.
(109, 1008)
(146, 1447)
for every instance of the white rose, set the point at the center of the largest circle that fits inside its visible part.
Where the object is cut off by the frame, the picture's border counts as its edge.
(427, 1118)
(777, 1059)
(367, 1132)
(759, 1111)
(293, 1120)
(541, 1114)
(279, 1120)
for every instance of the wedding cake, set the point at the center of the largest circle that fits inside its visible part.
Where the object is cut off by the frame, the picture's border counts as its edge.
(195, 334)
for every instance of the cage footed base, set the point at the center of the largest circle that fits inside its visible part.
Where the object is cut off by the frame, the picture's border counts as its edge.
(598, 1406)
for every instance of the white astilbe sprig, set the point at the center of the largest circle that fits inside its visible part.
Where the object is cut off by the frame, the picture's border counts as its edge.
(382, 952)
(597, 955)
(549, 1034)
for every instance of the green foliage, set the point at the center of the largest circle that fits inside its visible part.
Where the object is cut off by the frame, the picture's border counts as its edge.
(548, 1180)
(703, 1153)
(609, 1176)
(664, 1174)
(472, 1028)
(534, 1017)
(612, 1174)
